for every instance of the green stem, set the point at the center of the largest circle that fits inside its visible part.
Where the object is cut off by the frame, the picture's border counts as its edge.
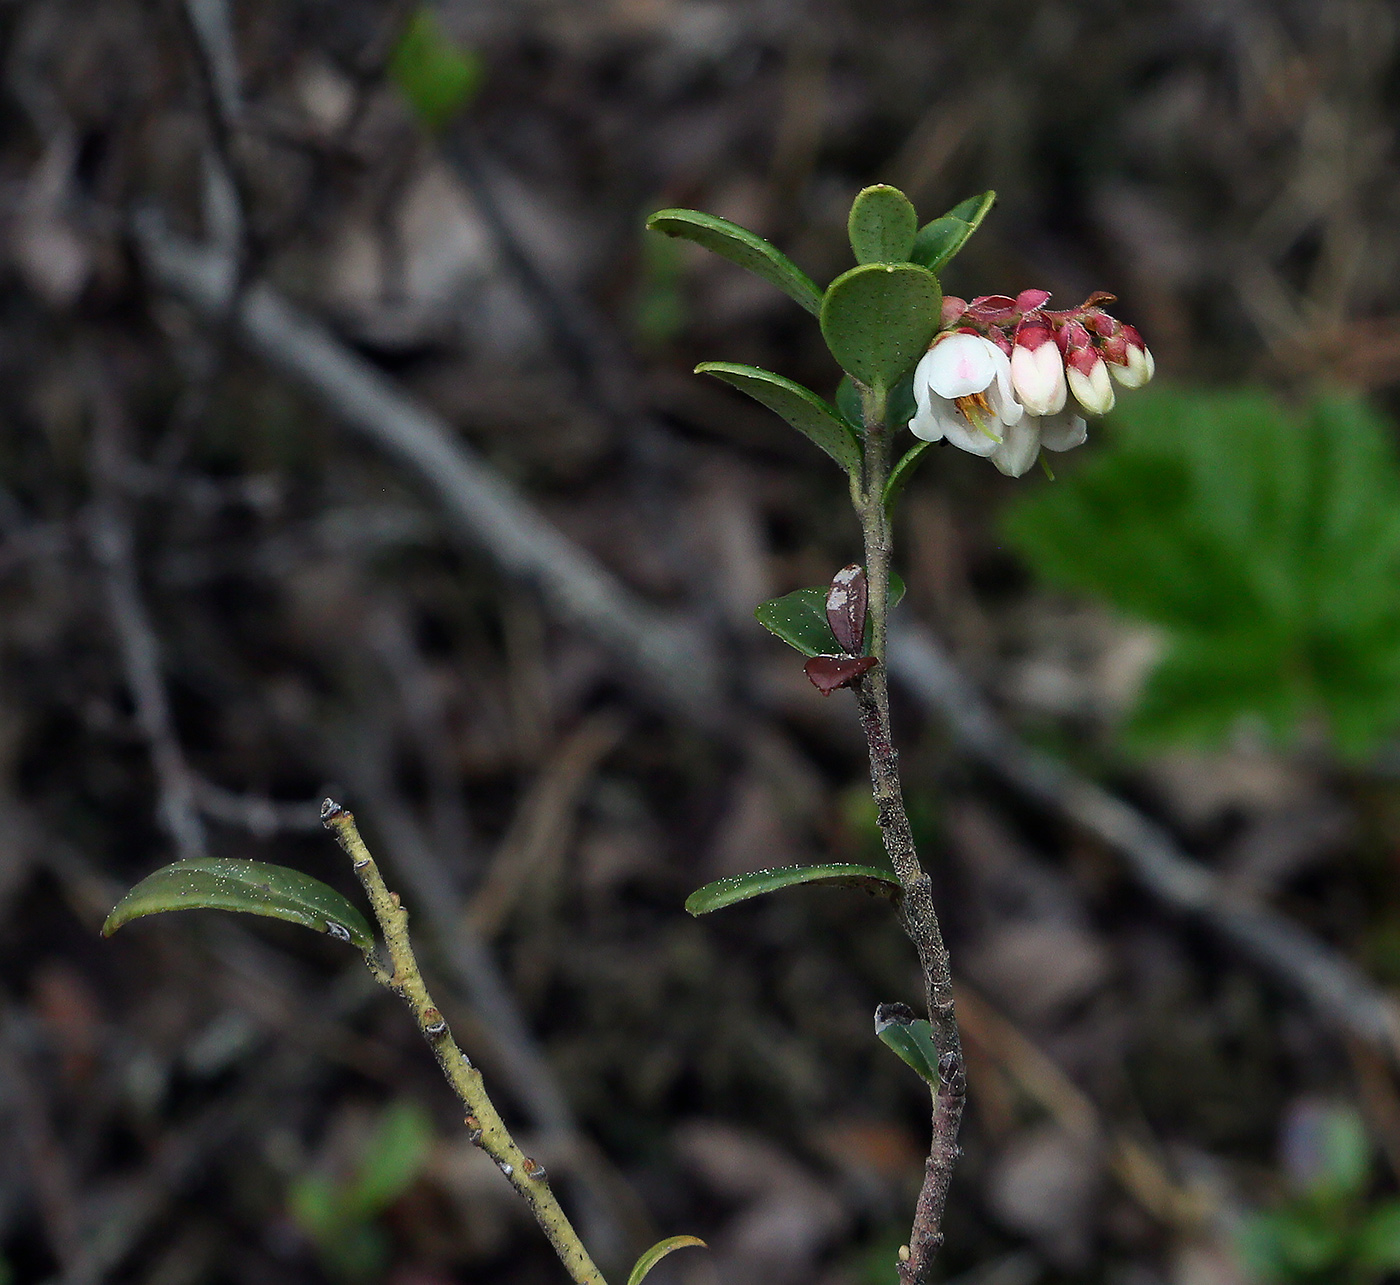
(487, 1128)
(918, 916)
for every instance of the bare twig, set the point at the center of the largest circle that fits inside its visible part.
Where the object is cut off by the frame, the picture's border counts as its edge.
(665, 655)
(1341, 995)
(261, 816)
(110, 537)
(486, 1127)
(687, 674)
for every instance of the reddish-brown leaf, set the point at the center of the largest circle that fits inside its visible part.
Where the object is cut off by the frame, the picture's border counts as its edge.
(830, 672)
(845, 607)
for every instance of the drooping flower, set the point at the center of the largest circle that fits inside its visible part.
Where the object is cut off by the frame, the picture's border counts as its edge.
(1022, 443)
(962, 391)
(1086, 372)
(1137, 365)
(1038, 369)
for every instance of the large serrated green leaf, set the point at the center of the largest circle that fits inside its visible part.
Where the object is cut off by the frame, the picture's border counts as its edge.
(743, 247)
(939, 241)
(659, 1251)
(801, 407)
(882, 224)
(799, 618)
(910, 1037)
(254, 887)
(1261, 539)
(878, 320)
(725, 892)
(437, 75)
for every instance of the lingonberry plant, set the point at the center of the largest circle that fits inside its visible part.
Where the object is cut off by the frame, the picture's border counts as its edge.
(993, 376)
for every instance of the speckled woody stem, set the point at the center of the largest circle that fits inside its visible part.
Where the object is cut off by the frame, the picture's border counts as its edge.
(917, 913)
(487, 1129)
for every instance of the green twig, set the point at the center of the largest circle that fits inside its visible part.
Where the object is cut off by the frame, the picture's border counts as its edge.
(486, 1127)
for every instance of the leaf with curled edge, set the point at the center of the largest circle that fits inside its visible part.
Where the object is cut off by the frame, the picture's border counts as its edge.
(845, 606)
(910, 1037)
(799, 618)
(743, 247)
(659, 1251)
(939, 241)
(827, 673)
(252, 887)
(725, 892)
(809, 414)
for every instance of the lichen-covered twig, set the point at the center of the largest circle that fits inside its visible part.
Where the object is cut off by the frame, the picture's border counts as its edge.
(483, 1121)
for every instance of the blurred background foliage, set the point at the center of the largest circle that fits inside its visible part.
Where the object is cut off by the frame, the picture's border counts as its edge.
(1199, 614)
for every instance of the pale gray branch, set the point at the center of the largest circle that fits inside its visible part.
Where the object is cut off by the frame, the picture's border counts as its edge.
(1339, 992)
(682, 666)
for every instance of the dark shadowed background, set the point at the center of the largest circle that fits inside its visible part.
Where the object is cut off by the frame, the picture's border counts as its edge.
(225, 592)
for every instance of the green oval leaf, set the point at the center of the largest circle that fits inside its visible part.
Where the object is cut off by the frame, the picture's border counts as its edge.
(743, 247)
(878, 320)
(801, 407)
(882, 224)
(910, 1037)
(659, 1251)
(939, 241)
(799, 618)
(725, 892)
(437, 75)
(254, 887)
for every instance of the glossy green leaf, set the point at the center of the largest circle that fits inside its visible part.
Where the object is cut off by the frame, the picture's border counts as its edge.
(801, 407)
(743, 247)
(882, 224)
(659, 1251)
(1378, 1244)
(939, 241)
(910, 1037)
(903, 471)
(799, 618)
(878, 320)
(725, 892)
(254, 887)
(436, 75)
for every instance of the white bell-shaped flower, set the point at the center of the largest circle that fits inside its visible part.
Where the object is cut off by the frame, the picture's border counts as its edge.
(962, 391)
(1022, 442)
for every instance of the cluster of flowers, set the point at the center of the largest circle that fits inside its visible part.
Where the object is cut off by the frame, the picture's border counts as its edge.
(997, 378)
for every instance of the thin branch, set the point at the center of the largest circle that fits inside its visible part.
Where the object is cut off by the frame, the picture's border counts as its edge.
(677, 663)
(486, 1127)
(665, 655)
(1342, 996)
(261, 816)
(110, 538)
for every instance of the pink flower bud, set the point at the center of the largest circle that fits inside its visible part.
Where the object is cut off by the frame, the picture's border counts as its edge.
(1037, 369)
(953, 309)
(1137, 365)
(1087, 376)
